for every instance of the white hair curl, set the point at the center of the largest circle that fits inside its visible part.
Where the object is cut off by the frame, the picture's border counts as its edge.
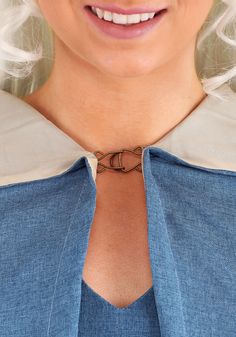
(17, 62)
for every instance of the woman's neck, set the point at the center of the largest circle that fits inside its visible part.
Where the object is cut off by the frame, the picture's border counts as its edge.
(107, 113)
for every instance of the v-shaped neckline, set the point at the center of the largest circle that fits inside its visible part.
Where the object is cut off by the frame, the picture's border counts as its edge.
(104, 301)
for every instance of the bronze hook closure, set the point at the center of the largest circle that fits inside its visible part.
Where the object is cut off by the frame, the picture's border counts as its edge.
(119, 154)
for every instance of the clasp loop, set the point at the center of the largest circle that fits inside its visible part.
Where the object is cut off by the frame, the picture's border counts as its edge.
(119, 155)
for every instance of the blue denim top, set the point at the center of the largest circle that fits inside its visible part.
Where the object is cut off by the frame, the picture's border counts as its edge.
(99, 318)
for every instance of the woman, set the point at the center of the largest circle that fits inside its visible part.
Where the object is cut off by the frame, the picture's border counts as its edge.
(118, 177)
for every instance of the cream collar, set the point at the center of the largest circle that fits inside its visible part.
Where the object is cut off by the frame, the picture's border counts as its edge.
(32, 147)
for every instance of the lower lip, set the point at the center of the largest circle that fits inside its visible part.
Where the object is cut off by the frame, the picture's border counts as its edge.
(124, 31)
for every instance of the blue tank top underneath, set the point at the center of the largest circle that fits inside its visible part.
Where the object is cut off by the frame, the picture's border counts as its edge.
(99, 318)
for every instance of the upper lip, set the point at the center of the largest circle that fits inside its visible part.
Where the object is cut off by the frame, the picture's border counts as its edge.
(119, 10)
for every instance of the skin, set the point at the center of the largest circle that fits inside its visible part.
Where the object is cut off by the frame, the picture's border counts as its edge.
(107, 94)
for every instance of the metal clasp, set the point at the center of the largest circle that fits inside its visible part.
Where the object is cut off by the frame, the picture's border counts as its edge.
(119, 155)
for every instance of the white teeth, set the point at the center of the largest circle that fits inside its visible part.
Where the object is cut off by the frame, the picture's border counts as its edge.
(133, 18)
(122, 19)
(119, 18)
(144, 16)
(99, 13)
(107, 16)
(151, 15)
(93, 9)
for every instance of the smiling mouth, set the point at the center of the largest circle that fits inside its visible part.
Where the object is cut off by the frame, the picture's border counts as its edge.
(126, 24)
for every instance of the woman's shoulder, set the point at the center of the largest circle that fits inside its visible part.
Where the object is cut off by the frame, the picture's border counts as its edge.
(14, 113)
(225, 103)
(31, 147)
(207, 136)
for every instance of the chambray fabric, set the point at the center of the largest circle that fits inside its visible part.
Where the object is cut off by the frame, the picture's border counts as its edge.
(44, 232)
(99, 318)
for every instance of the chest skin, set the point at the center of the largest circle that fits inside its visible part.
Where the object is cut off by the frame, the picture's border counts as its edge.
(45, 230)
(117, 264)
